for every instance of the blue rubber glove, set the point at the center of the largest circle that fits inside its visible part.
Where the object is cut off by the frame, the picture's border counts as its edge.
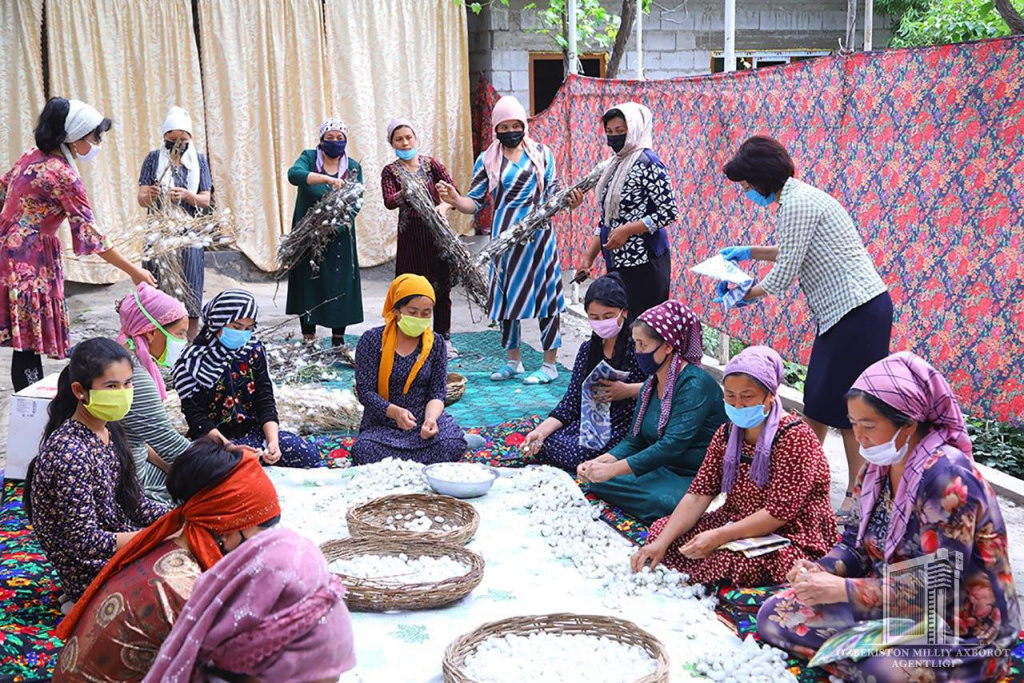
(736, 254)
(721, 290)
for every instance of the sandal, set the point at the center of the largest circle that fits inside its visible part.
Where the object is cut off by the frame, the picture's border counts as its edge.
(538, 377)
(843, 517)
(507, 372)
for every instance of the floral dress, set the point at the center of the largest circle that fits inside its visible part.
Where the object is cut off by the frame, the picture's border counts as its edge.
(36, 196)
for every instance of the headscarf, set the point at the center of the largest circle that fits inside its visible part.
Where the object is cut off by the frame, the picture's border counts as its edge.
(508, 108)
(204, 361)
(245, 498)
(909, 384)
(325, 128)
(271, 609)
(766, 366)
(639, 137)
(403, 286)
(178, 119)
(82, 119)
(680, 327)
(395, 124)
(135, 323)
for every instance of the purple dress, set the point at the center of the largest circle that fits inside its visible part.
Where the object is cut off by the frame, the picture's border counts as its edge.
(379, 436)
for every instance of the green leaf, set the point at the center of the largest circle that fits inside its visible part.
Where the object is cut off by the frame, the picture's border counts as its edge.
(411, 634)
(476, 7)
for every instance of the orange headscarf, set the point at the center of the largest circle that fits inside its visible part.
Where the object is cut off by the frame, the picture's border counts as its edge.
(403, 286)
(244, 499)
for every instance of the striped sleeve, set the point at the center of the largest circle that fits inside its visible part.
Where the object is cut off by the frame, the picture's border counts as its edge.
(147, 422)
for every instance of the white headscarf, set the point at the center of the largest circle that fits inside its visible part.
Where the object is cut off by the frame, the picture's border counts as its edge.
(178, 119)
(639, 136)
(82, 119)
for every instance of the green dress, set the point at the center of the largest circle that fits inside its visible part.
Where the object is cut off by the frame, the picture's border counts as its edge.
(663, 467)
(339, 272)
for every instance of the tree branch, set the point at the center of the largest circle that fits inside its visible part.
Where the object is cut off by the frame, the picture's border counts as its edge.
(622, 37)
(1011, 16)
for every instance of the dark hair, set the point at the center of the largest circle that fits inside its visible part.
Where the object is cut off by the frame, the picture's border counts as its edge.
(612, 114)
(99, 130)
(897, 417)
(49, 130)
(404, 301)
(392, 136)
(644, 327)
(205, 463)
(763, 162)
(595, 354)
(753, 379)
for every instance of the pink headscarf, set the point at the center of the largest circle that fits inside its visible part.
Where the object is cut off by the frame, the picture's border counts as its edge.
(681, 328)
(766, 366)
(269, 609)
(395, 124)
(909, 384)
(163, 308)
(508, 108)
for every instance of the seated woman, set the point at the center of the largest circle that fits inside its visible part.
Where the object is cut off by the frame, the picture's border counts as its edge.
(557, 440)
(153, 327)
(776, 480)
(401, 379)
(679, 410)
(270, 611)
(920, 498)
(225, 388)
(114, 632)
(84, 497)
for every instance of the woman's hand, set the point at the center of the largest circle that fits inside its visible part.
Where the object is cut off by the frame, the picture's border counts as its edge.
(182, 196)
(617, 238)
(335, 183)
(273, 452)
(575, 198)
(649, 555)
(606, 457)
(532, 444)
(428, 430)
(819, 588)
(609, 391)
(802, 566)
(598, 472)
(140, 275)
(583, 272)
(447, 192)
(702, 545)
(442, 209)
(406, 421)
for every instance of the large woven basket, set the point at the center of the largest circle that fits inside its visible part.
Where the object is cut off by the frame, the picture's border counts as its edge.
(370, 519)
(454, 390)
(619, 630)
(377, 595)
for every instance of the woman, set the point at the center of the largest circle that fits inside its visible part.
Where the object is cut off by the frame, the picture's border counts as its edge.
(40, 192)
(921, 499)
(401, 379)
(775, 477)
(225, 388)
(680, 409)
(637, 205)
(114, 632)
(817, 242)
(417, 251)
(85, 500)
(333, 297)
(526, 281)
(153, 327)
(565, 438)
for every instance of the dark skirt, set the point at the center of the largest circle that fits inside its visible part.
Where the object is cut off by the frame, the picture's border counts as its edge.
(860, 338)
(647, 285)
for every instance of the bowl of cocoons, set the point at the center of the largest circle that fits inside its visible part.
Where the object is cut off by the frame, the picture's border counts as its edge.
(382, 574)
(415, 516)
(568, 648)
(460, 479)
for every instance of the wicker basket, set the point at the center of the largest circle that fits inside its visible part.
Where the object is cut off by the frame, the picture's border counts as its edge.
(370, 519)
(619, 630)
(453, 392)
(376, 595)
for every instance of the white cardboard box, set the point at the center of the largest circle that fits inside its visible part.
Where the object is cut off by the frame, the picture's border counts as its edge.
(25, 424)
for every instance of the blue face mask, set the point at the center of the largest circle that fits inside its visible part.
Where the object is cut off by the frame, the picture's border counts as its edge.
(406, 154)
(758, 198)
(235, 339)
(746, 418)
(333, 148)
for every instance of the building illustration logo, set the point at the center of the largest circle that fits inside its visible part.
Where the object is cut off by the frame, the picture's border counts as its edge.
(922, 600)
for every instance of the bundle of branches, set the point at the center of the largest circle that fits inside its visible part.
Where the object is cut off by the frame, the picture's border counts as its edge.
(310, 237)
(291, 361)
(539, 218)
(450, 248)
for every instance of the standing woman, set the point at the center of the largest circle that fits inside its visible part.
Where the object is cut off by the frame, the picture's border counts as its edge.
(817, 242)
(637, 205)
(417, 251)
(36, 196)
(315, 173)
(181, 172)
(526, 281)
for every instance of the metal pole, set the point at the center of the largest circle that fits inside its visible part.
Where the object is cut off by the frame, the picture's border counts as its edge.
(573, 57)
(639, 40)
(869, 24)
(729, 59)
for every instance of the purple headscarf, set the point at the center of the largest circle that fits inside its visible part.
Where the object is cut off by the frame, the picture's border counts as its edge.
(680, 327)
(912, 386)
(766, 366)
(326, 127)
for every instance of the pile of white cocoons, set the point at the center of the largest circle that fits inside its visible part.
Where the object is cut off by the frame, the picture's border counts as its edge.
(461, 473)
(418, 522)
(400, 569)
(750, 663)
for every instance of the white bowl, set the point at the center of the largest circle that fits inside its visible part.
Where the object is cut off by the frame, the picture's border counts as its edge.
(459, 489)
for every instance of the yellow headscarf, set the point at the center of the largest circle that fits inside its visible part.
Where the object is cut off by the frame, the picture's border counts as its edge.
(403, 286)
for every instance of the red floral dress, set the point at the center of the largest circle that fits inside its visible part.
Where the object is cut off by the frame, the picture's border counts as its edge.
(36, 196)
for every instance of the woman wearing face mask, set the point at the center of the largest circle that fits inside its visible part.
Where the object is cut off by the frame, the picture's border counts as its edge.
(920, 498)
(556, 440)
(225, 388)
(179, 173)
(417, 252)
(315, 173)
(526, 281)
(679, 410)
(637, 206)
(401, 379)
(40, 192)
(817, 242)
(776, 480)
(114, 632)
(84, 498)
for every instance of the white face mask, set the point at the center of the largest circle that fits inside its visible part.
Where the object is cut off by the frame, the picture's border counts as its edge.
(885, 454)
(91, 154)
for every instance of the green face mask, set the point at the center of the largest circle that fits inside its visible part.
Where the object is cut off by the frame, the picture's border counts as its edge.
(174, 345)
(110, 405)
(414, 327)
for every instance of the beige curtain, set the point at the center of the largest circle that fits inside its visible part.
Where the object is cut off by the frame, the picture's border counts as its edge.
(21, 76)
(132, 60)
(399, 58)
(263, 71)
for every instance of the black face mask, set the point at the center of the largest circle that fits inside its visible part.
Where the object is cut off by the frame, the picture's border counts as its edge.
(617, 142)
(169, 144)
(512, 138)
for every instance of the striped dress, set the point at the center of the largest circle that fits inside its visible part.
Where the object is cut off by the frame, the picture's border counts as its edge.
(526, 282)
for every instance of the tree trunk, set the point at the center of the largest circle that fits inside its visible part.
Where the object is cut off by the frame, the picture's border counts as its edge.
(851, 27)
(622, 37)
(1011, 16)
